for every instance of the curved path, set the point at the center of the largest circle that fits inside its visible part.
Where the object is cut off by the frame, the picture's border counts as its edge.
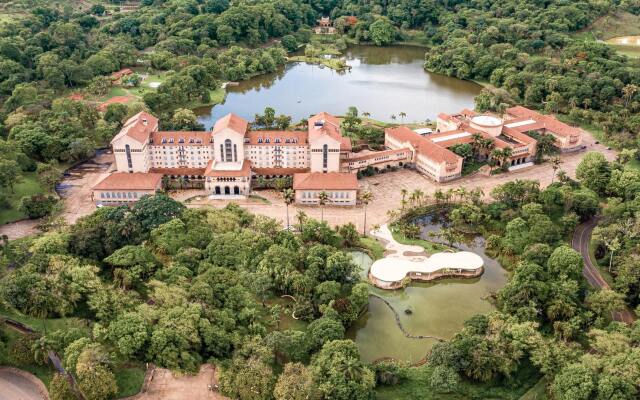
(16, 384)
(580, 242)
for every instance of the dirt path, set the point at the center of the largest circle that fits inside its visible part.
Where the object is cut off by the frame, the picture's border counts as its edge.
(16, 384)
(75, 191)
(166, 386)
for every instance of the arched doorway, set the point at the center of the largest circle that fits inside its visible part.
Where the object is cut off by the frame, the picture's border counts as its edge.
(217, 189)
(236, 190)
(227, 190)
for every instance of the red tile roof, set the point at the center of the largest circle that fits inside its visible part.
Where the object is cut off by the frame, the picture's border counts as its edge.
(325, 181)
(549, 121)
(300, 138)
(245, 170)
(119, 74)
(376, 154)
(325, 124)
(189, 138)
(179, 171)
(130, 181)
(138, 127)
(423, 146)
(233, 122)
(279, 171)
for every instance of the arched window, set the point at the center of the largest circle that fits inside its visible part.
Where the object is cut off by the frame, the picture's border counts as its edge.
(127, 149)
(325, 156)
(228, 156)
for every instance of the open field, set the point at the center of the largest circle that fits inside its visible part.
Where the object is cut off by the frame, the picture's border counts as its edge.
(28, 186)
(610, 26)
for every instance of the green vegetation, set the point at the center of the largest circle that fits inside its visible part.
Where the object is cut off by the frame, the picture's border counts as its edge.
(612, 25)
(416, 386)
(27, 185)
(373, 246)
(174, 286)
(129, 380)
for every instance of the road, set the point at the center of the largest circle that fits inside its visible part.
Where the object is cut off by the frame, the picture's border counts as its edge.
(580, 242)
(20, 385)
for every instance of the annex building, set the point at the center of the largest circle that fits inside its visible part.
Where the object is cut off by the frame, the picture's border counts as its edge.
(226, 160)
(431, 154)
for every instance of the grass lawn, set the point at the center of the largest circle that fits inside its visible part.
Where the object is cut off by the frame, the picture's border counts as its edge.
(129, 379)
(373, 245)
(37, 324)
(429, 247)
(332, 63)
(614, 25)
(537, 392)
(416, 386)
(634, 165)
(28, 186)
(471, 166)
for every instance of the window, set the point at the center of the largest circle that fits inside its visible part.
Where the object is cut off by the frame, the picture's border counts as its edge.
(228, 156)
(221, 153)
(235, 153)
(127, 149)
(325, 156)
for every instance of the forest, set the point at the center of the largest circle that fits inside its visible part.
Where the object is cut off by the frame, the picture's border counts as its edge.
(524, 52)
(178, 287)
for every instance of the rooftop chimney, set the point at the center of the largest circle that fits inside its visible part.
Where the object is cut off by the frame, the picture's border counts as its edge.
(144, 121)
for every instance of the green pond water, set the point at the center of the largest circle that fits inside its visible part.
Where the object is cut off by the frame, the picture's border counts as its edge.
(438, 309)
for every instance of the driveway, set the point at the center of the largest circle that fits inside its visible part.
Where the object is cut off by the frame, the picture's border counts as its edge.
(16, 384)
(580, 242)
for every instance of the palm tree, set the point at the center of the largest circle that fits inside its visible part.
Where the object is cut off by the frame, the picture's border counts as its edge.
(506, 153)
(366, 114)
(404, 193)
(323, 197)
(402, 115)
(393, 117)
(555, 165)
(365, 197)
(438, 196)
(301, 217)
(417, 196)
(289, 196)
(181, 182)
(476, 143)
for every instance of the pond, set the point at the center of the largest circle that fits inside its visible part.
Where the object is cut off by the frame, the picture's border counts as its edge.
(383, 81)
(437, 309)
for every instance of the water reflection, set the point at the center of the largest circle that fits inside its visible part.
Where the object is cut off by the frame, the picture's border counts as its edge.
(383, 81)
(437, 308)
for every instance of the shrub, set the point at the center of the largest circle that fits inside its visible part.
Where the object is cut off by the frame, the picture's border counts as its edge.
(37, 206)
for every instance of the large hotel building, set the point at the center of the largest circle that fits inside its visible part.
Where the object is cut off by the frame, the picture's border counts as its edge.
(229, 157)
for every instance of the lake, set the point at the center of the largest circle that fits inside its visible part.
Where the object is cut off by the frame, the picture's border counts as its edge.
(438, 308)
(383, 81)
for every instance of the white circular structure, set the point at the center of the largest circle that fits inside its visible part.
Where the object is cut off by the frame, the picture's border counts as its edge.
(389, 272)
(395, 269)
(487, 123)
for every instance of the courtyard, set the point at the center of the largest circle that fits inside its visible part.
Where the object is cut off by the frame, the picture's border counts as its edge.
(386, 189)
